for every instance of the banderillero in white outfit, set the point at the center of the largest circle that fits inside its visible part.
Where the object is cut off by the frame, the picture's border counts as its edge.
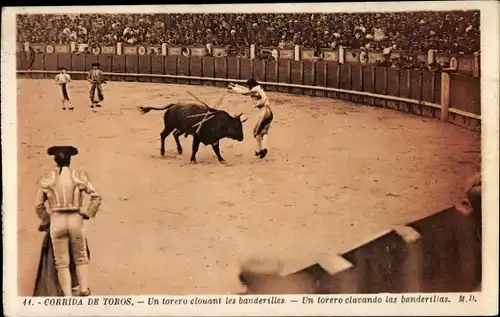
(261, 129)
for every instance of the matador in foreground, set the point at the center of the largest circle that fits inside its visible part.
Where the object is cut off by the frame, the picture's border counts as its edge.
(62, 189)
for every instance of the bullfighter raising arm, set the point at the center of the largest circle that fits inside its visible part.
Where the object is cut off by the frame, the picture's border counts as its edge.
(242, 90)
(256, 92)
(261, 129)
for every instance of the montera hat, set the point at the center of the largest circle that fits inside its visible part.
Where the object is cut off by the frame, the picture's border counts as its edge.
(67, 151)
(96, 64)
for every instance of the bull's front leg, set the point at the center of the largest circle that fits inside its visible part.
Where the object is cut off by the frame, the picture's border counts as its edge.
(216, 148)
(177, 134)
(196, 146)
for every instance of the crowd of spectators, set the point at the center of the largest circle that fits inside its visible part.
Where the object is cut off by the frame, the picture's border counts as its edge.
(452, 32)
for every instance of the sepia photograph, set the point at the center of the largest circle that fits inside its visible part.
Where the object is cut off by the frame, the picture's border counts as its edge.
(210, 153)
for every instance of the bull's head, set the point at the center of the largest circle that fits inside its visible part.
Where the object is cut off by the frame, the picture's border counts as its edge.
(242, 119)
(235, 129)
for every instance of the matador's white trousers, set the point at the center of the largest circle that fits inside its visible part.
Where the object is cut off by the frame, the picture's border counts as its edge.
(66, 228)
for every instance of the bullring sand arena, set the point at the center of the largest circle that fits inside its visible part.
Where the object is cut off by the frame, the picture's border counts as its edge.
(337, 173)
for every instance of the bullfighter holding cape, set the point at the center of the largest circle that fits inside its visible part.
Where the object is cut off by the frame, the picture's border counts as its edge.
(96, 78)
(65, 254)
(47, 283)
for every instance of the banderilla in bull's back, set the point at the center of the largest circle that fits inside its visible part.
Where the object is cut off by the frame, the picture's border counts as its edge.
(184, 118)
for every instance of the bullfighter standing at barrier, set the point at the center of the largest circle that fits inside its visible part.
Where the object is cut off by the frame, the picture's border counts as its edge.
(63, 189)
(263, 124)
(62, 79)
(96, 78)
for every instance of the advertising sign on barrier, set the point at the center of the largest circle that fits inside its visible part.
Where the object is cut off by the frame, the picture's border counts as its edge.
(453, 63)
(363, 57)
(286, 54)
(141, 50)
(186, 51)
(38, 48)
(61, 48)
(466, 64)
(373, 57)
(307, 54)
(49, 49)
(219, 52)
(129, 50)
(81, 47)
(174, 51)
(108, 50)
(269, 48)
(330, 55)
(440, 58)
(153, 50)
(352, 56)
(198, 51)
(95, 49)
(270, 51)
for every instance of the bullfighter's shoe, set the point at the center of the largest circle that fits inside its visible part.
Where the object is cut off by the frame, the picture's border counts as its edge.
(86, 293)
(98, 105)
(64, 108)
(71, 108)
(258, 153)
(263, 153)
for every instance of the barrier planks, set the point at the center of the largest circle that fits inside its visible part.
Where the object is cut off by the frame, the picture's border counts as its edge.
(183, 68)
(171, 68)
(220, 69)
(414, 84)
(118, 66)
(78, 64)
(157, 67)
(209, 68)
(106, 62)
(246, 68)
(196, 69)
(368, 82)
(144, 66)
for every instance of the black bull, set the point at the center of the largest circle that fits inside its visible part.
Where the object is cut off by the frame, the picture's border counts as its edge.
(183, 117)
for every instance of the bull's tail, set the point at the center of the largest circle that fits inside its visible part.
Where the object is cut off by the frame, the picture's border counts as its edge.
(145, 109)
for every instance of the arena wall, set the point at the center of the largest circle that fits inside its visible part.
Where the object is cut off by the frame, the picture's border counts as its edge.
(440, 253)
(425, 86)
(466, 64)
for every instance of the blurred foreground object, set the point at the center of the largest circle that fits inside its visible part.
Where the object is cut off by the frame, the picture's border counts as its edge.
(266, 277)
(471, 204)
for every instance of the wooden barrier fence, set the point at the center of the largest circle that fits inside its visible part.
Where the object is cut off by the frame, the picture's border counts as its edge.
(418, 92)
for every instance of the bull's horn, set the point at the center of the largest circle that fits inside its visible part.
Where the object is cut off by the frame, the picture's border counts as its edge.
(243, 119)
(239, 115)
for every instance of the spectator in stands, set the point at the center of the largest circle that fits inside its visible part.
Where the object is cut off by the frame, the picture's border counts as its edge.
(451, 32)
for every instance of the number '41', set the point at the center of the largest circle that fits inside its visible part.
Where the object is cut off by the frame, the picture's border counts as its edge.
(27, 302)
